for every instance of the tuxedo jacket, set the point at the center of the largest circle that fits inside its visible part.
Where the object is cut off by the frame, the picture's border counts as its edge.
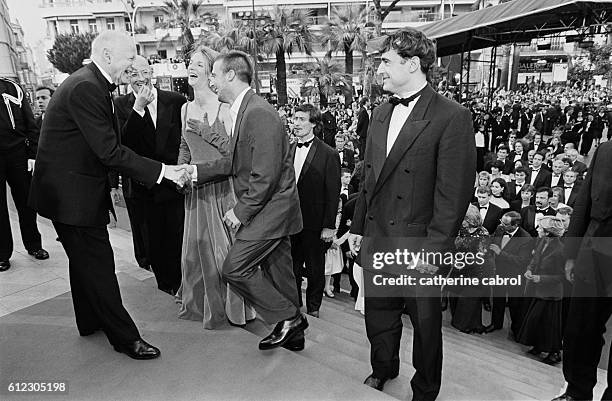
(542, 178)
(573, 194)
(514, 257)
(548, 263)
(348, 159)
(491, 220)
(319, 186)
(158, 142)
(560, 183)
(580, 168)
(79, 144)
(363, 121)
(423, 188)
(261, 164)
(528, 215)
(511, 195)
(330, 128)
(346, 219)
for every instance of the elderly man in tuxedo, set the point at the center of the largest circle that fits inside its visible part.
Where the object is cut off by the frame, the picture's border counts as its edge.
(420, 163)
(259, 264)
(317, 171)
(588, 249)
(150, 123)
(79, 145)
(18, 142)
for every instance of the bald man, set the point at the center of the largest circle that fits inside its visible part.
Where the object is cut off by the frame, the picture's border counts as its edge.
(79, 144)
(150, 124)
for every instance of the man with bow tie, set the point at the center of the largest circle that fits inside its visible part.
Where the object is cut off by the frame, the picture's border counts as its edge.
(18, 143)
(539, 176)
(556, 179)
(571, 187)
(531, 215)
(489, 213)
(150, 124)
(317, 172)
(419, 168)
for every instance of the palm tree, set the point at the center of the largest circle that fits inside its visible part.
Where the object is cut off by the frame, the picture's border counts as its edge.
(346, 30)
(287, 32)
(183, 14)
(231, 35)
(329, 77)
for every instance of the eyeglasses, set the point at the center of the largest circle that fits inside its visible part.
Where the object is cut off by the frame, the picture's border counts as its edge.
(136, 73)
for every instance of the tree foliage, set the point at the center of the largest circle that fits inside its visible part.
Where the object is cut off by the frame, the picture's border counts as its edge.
(183, 14)
(595, 62)
(69, 51)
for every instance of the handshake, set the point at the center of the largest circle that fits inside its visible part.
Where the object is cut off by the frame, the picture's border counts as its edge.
(180, 175)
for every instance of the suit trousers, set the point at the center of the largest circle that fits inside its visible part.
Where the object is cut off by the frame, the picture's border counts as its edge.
(307, 249)
(14, 171)
(140, 232)
(93, 283)
(262, 272)
(164, 223)
(513, 298)
(383, 318)
(583, 340)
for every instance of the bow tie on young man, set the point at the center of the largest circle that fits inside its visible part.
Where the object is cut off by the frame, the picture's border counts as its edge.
(304, 144)
(394, 100)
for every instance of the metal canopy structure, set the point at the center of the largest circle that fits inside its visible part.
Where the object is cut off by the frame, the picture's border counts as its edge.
(516, 21)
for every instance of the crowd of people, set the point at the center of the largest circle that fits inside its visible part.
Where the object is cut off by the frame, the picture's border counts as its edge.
(232, 203)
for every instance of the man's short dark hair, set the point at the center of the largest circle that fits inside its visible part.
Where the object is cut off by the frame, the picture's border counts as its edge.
(503, 147)
(521, 170)
(483, 189)
(314, 114)
(363, 101)
(240, 63)
(345, 170)
(498, 164)
(528, 188)
(515, 217)
(410, 42)
(42, 88)
(544, 189)
(540, 154)
(566, 160)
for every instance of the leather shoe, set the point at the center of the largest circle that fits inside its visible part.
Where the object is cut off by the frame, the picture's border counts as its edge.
(39, 254)
(565, 397)
(139, 349)
(4, 265)
(491, 328)
(296, 343)
(285, 331)
(314, 313)
(375, 382)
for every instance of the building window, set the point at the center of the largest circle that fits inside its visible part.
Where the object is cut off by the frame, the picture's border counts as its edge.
(158, 19)
(162, 54)
(54, 27)
(128, 25)
(93, 27)
(74, 26)
(110, 24)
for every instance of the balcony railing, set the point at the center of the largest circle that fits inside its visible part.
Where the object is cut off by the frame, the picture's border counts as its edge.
(415, 16)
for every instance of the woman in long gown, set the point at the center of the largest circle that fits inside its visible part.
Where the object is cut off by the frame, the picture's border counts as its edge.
(206, 239)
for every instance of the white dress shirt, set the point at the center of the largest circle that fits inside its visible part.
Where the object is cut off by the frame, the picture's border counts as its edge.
(534, 174)
(480, 139)
(398, 118)
(554, 180)
(300, 155)
(109, 79)
(518, 187)
(483, 211)
(567, 191)
(151, 106)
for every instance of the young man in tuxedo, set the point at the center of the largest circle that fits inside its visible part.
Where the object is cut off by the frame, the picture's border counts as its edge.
(489, 213)
(588, 249)
(347, 156)
(514, 187)
(79, 145)
(150, 123)
(512, 248)
(18, 142)
(420, 163)
(539, 176)
(363, 121)
(530, 215)
(538, 145)
(571, 187)
(317, 170)
(502, 156)
(43, 96)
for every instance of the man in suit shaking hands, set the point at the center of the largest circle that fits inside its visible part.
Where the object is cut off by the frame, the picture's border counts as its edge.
(150, 124)
(317, 171)
(267, 211)
(79, 144)
(419, 168)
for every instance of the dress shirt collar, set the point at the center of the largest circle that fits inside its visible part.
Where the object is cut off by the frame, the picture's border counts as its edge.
(238, 101)
(408, 94)
(512, 233)
(104, 73)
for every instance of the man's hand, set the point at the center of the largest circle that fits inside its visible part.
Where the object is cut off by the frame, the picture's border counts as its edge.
(31, 163)
(178, 174)
(426, 267)
(231, 220)
(198, 127)
(495, 248)
(143, 98)
(354, 241)
(328, 234)
(569, 270)
(115, 196)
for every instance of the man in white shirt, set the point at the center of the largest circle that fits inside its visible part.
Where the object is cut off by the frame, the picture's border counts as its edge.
(556, 179)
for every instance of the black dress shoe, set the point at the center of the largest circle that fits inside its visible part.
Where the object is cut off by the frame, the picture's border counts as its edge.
(565, 397)
(314, 313)
(85, 333)
(4, 265)
(139, 349)
(375, 382)
(552, 359)
(491, 328)
(39, 254)
(534, 351)
(296, 343)
(284, 332)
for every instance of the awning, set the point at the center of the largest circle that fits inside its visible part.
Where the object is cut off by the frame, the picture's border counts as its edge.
(516, 21)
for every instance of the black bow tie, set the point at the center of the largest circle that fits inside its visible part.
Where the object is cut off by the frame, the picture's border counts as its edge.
(541, 210)
(394, 100)
(484, 207)
(111, 87)
(304, 144)
(569, 187)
